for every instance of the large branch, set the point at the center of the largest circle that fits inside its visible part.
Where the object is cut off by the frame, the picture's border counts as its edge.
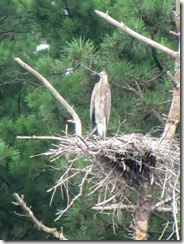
(137, 36)
(38, 224)
(76, 119)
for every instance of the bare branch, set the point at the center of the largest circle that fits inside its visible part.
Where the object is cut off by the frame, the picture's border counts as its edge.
(60, 213)
(92, 71)
(159, 204)
(175, 34)
(175, 210)
(38, 138)
(164, 230)
(137, 36)
(126, 207)
(51, 231)
(115, 206)
(77, 121)
(176, 84)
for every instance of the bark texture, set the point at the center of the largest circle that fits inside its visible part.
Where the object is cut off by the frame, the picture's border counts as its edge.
(143, 211)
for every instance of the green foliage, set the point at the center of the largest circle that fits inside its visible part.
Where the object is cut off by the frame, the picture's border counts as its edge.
(77, 38)
(8, 155)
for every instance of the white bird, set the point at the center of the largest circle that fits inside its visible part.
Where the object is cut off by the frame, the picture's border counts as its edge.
(100, 108)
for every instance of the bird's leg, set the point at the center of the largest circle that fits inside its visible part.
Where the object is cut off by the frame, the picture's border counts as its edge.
(93, 131)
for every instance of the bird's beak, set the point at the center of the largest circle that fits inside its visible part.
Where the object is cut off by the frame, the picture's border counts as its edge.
(100, 74)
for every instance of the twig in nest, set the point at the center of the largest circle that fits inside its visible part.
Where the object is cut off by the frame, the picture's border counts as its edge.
(164, 230)
(60, 213)
(175, 210)
(159, 204)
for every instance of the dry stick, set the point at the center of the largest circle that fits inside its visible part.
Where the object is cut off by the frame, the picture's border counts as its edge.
(127, 207)
(39, 138)
(99, 184)
(137, 36)
(115, 206)
(159, 204)
(76, 119)
(92, 71)
(39, 225)
(164, 230)
(60, 213)
(105, 201)
(175, 211)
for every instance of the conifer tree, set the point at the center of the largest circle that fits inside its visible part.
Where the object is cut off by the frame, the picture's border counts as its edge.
(79, 41)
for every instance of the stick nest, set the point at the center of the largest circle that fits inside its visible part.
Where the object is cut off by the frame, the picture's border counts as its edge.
(117, 166)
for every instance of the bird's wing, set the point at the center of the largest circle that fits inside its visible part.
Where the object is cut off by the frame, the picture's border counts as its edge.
(92, 105)
(108, 103)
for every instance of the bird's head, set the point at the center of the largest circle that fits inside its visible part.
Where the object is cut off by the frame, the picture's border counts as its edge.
(102, 74)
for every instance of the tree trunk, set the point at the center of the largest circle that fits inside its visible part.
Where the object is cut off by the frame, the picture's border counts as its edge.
(143, 211)
(174, 112)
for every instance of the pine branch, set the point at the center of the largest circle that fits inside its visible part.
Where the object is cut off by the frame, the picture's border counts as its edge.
(76, 119)
(51, 231)
(92, 71)
(139, 94)
(137, 36)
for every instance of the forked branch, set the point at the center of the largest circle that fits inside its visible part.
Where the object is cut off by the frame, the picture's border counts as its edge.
(51, 231)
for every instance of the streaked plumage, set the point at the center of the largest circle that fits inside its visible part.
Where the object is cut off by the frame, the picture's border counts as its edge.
(101, 105)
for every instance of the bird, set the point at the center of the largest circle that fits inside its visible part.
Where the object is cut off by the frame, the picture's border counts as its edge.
(100, 107)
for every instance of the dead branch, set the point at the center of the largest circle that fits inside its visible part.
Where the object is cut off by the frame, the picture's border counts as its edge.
(175, 210)
(131, 208)
(164, 230)
(38, 138)
(137, 36)
(28, 213)
(176, 85)
(60, 213)
(159, 204)
(92, 71)
(76, 119)
(115, 207)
